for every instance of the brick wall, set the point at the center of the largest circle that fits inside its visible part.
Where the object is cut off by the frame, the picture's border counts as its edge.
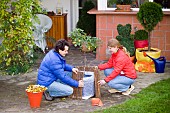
(106, 28)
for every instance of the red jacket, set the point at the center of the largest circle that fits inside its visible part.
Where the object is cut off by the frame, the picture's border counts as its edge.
(120, 62)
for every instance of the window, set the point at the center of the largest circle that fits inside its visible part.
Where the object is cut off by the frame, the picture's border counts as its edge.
(109, 4)
(164, 3)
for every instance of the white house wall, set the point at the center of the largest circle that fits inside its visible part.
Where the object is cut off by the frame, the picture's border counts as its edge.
(69, 6)
(74, 13)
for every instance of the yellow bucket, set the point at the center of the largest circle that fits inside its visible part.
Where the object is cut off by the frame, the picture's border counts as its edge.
(144, 63)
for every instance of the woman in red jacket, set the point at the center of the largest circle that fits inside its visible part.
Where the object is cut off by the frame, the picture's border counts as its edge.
(119, 70)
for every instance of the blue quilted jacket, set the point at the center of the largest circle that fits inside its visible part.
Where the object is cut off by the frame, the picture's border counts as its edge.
(52, 68)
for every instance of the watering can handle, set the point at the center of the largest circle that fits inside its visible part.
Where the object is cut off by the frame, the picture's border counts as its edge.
(162, 58)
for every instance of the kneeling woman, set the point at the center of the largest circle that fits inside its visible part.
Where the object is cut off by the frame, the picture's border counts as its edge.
(119, 70)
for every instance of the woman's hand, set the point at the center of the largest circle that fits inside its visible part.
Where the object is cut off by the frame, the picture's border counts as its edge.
(75, 70)
(101, 82)
(81, 83)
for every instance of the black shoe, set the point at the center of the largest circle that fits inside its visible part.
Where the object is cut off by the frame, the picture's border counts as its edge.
(47, 96)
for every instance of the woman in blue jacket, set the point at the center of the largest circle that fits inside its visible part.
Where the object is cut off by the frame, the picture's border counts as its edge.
(55, 74)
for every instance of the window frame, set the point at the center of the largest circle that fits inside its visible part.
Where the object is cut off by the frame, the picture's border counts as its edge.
(102, 5)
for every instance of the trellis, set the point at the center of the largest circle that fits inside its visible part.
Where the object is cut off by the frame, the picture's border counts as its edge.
(77, 94)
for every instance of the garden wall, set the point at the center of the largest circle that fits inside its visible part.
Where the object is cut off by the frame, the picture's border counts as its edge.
(106, 28)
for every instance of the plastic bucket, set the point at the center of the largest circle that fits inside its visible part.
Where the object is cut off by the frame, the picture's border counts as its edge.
(160, 64)
(35, 99)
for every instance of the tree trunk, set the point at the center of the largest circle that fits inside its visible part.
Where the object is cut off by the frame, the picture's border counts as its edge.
(149, 41)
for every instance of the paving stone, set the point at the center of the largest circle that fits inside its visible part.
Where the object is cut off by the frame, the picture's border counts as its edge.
(14, 98)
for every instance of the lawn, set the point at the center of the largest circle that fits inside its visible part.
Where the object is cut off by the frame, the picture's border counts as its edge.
(153, 99)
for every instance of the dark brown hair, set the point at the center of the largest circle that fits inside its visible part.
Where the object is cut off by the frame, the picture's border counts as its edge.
(60, 44)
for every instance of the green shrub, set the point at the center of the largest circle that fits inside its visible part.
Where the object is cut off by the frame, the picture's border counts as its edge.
(126, 38)
(141, 35)
(124, 30)
(16, 50)
(87, 22)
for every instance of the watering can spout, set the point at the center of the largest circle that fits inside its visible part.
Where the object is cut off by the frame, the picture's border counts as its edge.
(144, 54)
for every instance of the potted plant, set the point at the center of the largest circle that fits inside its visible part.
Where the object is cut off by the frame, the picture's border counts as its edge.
(141, 39)
(35, 93)
(123, 5)
(126, 38)
(85, 42)
(150, 13)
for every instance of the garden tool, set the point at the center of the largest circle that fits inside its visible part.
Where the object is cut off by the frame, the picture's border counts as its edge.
(159, 63)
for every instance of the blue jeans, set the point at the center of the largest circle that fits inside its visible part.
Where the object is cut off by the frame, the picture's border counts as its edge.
(58, 89)
(120, 83)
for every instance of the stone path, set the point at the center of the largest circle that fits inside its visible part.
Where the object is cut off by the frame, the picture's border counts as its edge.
(14, 98)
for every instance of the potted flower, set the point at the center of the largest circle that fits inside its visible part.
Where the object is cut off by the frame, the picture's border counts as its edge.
(35, 93)
(123, 5)
(141, 39)
(150, 13)
(85, 42)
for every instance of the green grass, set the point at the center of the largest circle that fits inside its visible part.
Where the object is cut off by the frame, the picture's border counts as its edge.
(153, 99)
